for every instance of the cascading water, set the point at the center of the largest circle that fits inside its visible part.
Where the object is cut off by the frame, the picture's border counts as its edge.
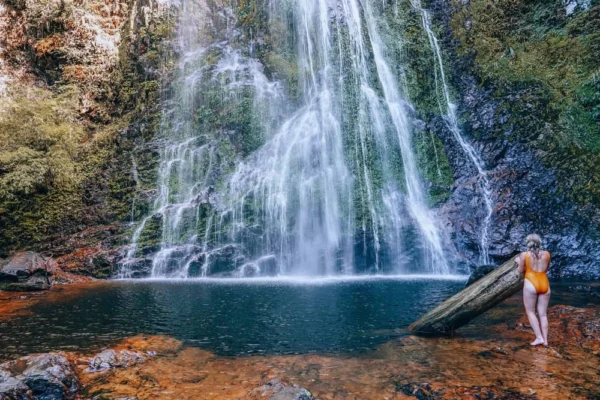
(334, 188)
(448, 110)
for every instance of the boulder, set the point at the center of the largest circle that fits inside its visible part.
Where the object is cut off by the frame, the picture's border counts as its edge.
(137, 268)
(109, 359)
(48, 376)
(479, 273)
(27, 271)
(13, 388)
(278, 389)
(223, 261)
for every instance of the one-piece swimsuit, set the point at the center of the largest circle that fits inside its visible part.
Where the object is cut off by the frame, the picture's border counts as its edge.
(538, 279)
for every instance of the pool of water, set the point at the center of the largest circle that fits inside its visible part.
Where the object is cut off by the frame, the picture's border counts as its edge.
(232, 317)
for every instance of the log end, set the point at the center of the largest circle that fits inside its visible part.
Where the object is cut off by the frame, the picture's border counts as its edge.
(472, 301)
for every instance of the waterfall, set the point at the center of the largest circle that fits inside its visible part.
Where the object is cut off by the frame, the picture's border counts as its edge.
(448, 110)
(329, 183)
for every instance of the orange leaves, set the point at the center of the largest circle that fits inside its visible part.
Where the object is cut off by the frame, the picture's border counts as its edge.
(47, 45)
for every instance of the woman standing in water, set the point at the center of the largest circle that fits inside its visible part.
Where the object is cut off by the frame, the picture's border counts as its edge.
(534, 263)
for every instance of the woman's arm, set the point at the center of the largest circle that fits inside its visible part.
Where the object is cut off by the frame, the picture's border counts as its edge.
(521, 263)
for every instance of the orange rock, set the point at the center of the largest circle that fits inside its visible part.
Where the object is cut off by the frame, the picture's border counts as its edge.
(501, 366)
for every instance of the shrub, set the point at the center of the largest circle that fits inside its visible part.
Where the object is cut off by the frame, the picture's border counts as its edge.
(40, 140)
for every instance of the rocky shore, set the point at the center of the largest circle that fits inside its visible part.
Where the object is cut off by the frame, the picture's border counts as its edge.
(489, 361)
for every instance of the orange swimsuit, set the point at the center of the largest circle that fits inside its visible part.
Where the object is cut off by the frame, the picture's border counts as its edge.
(539, 280)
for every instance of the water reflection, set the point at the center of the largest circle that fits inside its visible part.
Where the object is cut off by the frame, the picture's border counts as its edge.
(229, 319)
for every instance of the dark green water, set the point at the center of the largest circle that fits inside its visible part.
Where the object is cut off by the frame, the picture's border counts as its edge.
(230, 318)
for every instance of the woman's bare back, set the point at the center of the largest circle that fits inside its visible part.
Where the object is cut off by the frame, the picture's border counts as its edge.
(537, 264)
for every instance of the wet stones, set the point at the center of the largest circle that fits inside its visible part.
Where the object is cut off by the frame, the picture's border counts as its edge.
(421, 391)
(278, 389)
(56, 376)
(13, 388)
(592, 291)
(139, 267)
(427, 391)
(109, 359)
(572, 325)
(44, 376)
(26, 271)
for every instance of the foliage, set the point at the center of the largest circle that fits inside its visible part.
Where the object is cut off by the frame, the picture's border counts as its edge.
(536, 43)
(40, 142)
(435, 166)
(542, 67)
(63, 169)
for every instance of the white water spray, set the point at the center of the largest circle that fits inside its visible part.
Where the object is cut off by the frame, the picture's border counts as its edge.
(448, 109)
(335, 183)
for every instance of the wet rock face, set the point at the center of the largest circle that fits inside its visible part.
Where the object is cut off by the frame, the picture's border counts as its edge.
(525, 194)
(506, 122)
(27, 271)
(44, 376)
(140, 267)
(91, 252)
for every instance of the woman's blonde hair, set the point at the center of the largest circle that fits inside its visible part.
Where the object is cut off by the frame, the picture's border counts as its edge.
(534, 243)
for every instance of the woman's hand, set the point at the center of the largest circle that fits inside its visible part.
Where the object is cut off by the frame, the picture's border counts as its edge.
(520, 261)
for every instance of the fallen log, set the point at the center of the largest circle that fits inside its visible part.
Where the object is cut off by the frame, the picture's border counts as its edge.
(474, 300)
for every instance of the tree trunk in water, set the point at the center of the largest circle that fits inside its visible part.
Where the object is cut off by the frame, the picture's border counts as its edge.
(471, 302)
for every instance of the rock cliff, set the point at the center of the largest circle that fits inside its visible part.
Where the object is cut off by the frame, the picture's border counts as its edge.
(81, 86)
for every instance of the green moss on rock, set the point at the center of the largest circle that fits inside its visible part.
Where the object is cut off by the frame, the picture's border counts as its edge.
(543, 66)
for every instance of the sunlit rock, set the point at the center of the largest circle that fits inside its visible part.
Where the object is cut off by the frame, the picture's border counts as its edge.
(27, 271)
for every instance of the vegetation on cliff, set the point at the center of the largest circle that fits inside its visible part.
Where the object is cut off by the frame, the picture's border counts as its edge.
(541, 59)
(86, 96)
(78, 128)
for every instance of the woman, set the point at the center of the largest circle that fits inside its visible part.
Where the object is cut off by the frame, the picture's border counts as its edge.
(534, 263)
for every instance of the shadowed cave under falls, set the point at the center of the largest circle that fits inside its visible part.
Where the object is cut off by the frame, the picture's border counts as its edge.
(288, 146)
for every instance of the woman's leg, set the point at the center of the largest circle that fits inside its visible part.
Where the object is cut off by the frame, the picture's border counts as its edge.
(530, 297)
(542, 306)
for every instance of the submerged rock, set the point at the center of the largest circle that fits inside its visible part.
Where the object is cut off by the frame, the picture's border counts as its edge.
(27, 271)
(592, 291)
(44, 376)
(292, 393)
